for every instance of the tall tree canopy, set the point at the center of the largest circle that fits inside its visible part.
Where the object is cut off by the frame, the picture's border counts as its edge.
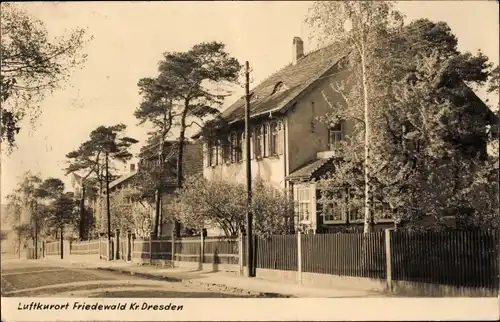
(95, 156)
(32, 65)
(189, 88)
(428, 128)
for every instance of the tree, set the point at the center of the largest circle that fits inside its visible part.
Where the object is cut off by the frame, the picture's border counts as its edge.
(105, 144)
(357, 24)
(429, 124)
(32, 65)
(200, 203)
(494, 81)
(189, 78)
(23, 205)
(135, 215)
(89, 159)
(156, 109)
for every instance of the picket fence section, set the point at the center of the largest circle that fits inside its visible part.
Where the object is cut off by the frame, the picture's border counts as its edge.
(89, 247)
(457, 258)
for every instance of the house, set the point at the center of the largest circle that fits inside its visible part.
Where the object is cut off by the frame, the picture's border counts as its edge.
(290, 148)
(289, 145)
(193, 160)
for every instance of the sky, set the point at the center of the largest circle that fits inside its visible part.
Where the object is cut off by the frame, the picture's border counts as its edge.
(130, 38)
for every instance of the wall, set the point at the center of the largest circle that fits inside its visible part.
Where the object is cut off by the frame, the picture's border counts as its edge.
(306, 134)
(269, 169)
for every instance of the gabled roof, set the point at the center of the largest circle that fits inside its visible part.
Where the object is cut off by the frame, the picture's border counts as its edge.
(122, 179)
(293, 80)
(313, 169)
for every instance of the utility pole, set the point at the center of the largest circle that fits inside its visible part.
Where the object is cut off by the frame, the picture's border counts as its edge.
(35, 213)
(250, 264)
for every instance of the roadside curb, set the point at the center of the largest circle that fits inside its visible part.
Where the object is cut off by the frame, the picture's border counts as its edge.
(189, 281)
(139, 274)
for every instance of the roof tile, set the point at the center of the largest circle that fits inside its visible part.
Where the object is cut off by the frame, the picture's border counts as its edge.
(295, 79)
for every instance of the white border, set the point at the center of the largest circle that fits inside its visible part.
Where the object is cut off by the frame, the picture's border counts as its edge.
(319, 309)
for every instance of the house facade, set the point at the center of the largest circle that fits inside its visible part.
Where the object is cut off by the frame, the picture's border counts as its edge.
(289, 146)
(192, 161)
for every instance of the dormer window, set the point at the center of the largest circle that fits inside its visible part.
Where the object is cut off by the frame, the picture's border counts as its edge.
(278, 87)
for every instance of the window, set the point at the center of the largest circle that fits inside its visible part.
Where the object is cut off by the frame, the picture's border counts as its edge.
(333, 207)
(239, 145)
(273, 139)
(304, 203)
(336, 135)
(265, 141)
(212, 154)
(383, 211)
(232, 147)
(258, 142)
(224, 152)
(356, 205)
(252, 144)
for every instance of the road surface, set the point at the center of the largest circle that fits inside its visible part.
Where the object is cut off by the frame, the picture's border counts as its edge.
(32, 278)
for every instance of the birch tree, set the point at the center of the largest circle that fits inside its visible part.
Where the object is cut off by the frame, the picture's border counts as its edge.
(357, 24)
(428, 158)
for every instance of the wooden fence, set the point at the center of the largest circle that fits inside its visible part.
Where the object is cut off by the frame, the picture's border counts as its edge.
(88, 247)
(458, 258)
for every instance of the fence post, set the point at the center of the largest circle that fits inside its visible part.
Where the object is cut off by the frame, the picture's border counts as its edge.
(100, 250)
(151, 236)
(299, 257)
(117, 244)
(129, 246)
(173, 249)
(202, 250)
(108, 249)
(388, 259)
(43, 248)
(240, 252)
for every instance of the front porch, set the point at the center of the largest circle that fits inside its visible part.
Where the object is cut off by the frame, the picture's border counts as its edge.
(316, 213)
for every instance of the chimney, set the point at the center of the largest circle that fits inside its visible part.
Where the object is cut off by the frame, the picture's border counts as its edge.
(298, 49)
(132, 167)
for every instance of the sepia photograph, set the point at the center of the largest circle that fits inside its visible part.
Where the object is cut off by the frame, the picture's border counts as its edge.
(158, 156)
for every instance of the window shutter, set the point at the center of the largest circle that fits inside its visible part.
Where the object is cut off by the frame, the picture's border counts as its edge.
(252, 145)
(206, 155)
(266, 141)
(281, 130)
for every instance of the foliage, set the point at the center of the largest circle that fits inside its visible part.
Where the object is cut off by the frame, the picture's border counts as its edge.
(183, 94)
(427, 132)
(94, 156)
(494, 81)
(202, 203)
(131, 214)
(32, 65)
(22, 205)
(357, 24)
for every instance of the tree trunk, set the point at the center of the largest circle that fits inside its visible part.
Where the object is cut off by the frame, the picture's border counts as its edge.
(368, 222)
(108, 207)
(82, 214)
(157, 211)
(35, 241)
(159, 189)
(62, 241)
(180, 160)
